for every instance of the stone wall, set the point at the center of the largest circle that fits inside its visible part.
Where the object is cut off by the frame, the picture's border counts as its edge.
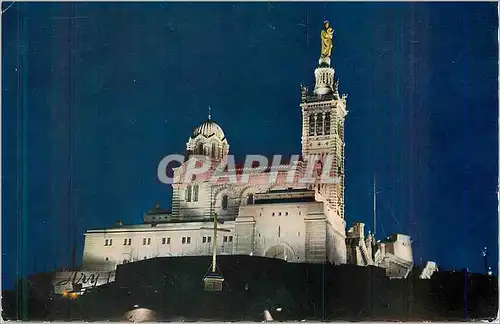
(105, 249)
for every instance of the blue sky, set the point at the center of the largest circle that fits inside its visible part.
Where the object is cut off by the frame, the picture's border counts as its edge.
(96, 94)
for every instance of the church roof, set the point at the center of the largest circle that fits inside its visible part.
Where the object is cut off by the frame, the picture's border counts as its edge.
(286, 161)
(285, 200)
(239, 166)
(285, 196)
(156, 210)
(159, 212)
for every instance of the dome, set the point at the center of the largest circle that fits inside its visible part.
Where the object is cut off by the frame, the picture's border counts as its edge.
(208, 139)
(209, 129)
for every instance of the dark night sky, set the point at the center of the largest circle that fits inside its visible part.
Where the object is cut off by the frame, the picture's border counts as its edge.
(94, 95)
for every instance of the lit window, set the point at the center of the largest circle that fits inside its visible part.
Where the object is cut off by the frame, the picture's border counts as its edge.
(199, 149)
(224, 202)
(311, 125)
(214, 149)
(195, 193)
(319, 124)
(327, 123)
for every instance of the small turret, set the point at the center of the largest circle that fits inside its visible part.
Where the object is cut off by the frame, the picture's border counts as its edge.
(356, 231)
(303, 92)
(369, 243)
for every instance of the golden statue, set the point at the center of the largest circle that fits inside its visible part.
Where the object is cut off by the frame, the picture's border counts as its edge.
(326, 40)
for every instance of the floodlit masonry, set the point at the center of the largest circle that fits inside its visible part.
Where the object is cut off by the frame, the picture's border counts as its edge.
(289, 220)
(317, 170)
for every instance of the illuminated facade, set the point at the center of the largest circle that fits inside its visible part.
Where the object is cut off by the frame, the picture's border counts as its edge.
(294, 222)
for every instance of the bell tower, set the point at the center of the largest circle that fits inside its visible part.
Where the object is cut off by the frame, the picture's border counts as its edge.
(323, 115)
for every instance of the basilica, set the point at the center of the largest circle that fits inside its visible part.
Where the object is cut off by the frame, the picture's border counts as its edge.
(294, 222)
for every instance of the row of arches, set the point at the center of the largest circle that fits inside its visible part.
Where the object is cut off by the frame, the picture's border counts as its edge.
(325, 78)
(214, 151)
(319, 124)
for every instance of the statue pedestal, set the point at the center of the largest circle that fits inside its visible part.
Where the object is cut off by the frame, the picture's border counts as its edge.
(324, 61)
(213, 282)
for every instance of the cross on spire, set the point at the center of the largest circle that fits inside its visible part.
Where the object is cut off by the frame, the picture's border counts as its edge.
(209, 112)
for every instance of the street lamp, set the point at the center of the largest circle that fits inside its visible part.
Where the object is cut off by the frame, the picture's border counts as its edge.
(213, 280)
(484, 253)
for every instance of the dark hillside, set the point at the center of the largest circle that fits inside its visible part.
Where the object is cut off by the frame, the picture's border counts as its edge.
(172, 288)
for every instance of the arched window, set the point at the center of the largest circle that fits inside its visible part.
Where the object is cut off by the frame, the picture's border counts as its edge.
(214, 150)
(199, 149)
(311, 125)
(195, 193)
(188, 193)
(319, 124)
(250, 199)
(327, 123)
(224, 202)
